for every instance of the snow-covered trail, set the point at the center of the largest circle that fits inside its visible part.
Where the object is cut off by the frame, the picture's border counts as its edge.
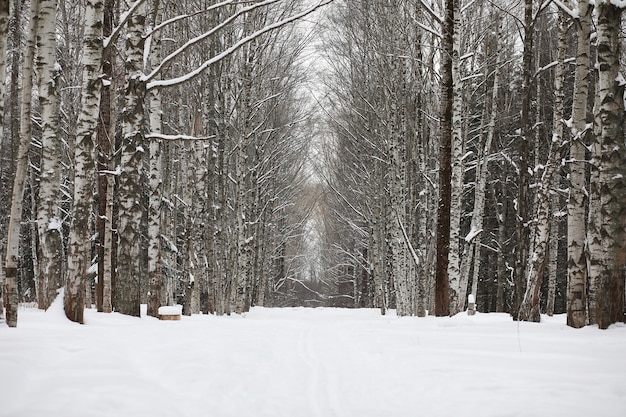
(309, 362)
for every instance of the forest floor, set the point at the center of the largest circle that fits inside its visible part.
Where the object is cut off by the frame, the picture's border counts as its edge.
(299, 362)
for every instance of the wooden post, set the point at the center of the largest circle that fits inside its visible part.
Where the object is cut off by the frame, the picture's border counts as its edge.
(471, 305)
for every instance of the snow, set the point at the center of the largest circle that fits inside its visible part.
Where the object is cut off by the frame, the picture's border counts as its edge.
(306, 363)
(470, 299)
(617, 3)
(472, 235)
(55, 224)
(170, 310)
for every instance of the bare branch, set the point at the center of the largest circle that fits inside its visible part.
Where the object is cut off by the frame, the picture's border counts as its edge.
(198, 39)
(229, 51)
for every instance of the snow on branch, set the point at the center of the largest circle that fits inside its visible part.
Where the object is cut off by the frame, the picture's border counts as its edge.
(431, 12)
(467, 6)
(429, 29)
(229, 51)
(200, 38)
(178, 137)
(472, 235)
(552, 64)
(617, 3)
(188, 15)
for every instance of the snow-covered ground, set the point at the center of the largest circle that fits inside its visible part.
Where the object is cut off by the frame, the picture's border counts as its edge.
(308, 362)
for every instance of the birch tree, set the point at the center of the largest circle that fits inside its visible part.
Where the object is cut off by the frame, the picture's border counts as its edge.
(13, 236)
(78, 246)
(155, 277)
(48, 215)
(577, 202)
(456, 191)
(127, 293)
(607, 228)
(4, 32)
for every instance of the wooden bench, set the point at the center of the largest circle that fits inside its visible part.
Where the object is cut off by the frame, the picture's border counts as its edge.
(170, 312)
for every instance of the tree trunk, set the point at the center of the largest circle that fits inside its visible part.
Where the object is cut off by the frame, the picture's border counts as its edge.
(21, 171)
(155, 278)
(79, 247)
(105, 180)
(522, 228)
(607, 228)
(501, 266)
(48, 216)
(4, 34)
(577, 204)
(553, 253)
(529, 309)
(442, 294)
(457, 297)
(127, 289)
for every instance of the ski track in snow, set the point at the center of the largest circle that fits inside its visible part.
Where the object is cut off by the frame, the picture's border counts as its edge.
(322, 388)
(298, 362)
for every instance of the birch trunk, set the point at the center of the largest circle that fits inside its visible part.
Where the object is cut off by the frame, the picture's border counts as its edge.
(577, 204)
(376, 264)
(457, 300)
(155, 278)
(396, 184)
(5, 13)
(21, 170)
(4, 34)
(244, 230)
(553, 253)
(48, 216)
(127, 291)
(197, 173)
(607, 228)
(79, 247)
(394, 221)
(529, 309)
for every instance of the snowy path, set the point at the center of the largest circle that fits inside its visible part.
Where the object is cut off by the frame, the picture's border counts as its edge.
(309, 363)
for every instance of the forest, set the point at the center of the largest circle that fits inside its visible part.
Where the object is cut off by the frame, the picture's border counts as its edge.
(387, 154)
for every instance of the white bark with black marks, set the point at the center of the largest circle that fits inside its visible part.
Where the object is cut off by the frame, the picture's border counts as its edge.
(21, 172)
(607, 213)
(127, 294)
(84, 164)
(577, 202)
(48, 213)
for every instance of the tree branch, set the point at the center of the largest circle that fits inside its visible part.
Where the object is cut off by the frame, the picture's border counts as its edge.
(229, 51)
